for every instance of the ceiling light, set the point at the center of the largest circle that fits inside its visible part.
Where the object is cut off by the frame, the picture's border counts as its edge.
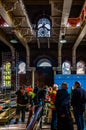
(13, 41)
(63, 40)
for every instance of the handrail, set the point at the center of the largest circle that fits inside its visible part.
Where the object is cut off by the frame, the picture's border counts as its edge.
(34, 119)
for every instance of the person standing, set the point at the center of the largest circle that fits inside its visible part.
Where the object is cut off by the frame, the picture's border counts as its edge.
(78, 101)
(53, 108)
(36, 90)
(62, 104)
(22, 102)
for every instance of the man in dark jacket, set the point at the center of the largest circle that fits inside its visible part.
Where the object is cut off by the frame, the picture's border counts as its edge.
(78, 102)
(62, 103)
(22, 102)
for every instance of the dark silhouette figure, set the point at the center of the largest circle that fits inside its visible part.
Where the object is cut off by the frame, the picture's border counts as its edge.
(62, 104)
(78, 102)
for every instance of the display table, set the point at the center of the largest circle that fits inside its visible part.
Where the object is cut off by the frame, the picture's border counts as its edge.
(7, 115)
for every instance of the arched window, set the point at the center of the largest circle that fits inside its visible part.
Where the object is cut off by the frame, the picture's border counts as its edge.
(80, 67)
(44, 63)
(66, 68)
(6, 73)
(43, 27)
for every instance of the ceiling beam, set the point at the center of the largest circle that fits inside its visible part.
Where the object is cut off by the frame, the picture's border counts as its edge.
(36, 2)
(38, 42)
(48, 43)
(82, 34)
(78, 2)
(65, 15)
(4, 39)
(8, 17)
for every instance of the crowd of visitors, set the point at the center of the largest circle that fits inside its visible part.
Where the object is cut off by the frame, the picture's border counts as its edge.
(60, 103)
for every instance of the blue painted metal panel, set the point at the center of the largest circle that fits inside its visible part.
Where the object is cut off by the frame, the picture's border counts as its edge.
(70, 79)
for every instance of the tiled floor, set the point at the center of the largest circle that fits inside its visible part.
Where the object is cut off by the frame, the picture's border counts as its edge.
(21, 126)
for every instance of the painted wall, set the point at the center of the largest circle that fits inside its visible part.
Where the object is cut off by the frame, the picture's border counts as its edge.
(70, 79)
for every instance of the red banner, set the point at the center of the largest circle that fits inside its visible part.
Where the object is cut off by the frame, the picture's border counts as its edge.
(2, 22)
(73, 22)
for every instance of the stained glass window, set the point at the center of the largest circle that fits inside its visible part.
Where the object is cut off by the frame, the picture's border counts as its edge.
(21, 68)
(6, 75)
(43, 27)
(66, 68)
(80, 67)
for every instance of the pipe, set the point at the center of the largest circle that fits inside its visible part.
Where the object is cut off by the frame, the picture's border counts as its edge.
(28, 56)
(64, 19)
(4, 39)
(78, 40)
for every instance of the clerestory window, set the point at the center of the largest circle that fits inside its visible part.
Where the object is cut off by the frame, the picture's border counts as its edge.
(43, 28)
(66, 68)
(80, 67)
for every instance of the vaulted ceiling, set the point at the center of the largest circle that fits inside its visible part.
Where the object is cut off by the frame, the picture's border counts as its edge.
(21, 17)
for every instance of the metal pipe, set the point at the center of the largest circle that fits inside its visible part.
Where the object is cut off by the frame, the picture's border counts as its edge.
(34, 119)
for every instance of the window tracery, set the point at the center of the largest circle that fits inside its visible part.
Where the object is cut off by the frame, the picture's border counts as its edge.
(43, 28)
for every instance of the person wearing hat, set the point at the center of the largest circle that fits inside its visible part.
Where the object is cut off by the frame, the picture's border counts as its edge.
(78, 101)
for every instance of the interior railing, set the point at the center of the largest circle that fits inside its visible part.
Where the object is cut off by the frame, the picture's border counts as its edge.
(33, 124)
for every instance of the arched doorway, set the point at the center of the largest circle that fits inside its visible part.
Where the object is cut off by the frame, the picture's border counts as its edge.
(44, 72)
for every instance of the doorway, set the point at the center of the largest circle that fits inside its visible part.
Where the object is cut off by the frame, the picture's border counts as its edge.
(44, 76)
(44, 73)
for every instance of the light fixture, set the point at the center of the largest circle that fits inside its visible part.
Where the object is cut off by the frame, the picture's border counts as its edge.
(13, 41)
(63, 40)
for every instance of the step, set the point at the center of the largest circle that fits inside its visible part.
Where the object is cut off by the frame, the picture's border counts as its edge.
(14, 127)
